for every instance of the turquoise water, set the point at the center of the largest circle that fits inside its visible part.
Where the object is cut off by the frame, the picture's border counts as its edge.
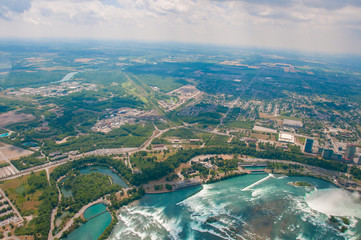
(5, 135)
(93, 228)
(259, 206)
(104, 170)
(255, 168)
(68, 76)
(30, 144)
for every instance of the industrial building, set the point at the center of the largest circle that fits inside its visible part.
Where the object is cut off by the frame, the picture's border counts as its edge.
(309, 145)
(350, 152)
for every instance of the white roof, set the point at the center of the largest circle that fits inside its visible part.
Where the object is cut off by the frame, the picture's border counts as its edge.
(286, 137)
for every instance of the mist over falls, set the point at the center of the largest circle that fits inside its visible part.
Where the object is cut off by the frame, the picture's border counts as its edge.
(336, 202)
(255, 206)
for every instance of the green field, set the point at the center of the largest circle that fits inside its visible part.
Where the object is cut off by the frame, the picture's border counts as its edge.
(165, 84)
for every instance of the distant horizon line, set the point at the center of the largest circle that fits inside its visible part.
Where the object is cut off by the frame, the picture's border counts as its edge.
(67, 40)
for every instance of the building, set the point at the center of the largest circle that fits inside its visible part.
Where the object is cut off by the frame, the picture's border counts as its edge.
(350, 152)
(320, 151)
(357, 160)
(286, 137)
(337, 157)
(292, 123)
(327, 153)
(309, 145)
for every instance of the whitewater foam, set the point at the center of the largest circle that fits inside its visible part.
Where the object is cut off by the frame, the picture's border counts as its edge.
(197, 227)
(258, 182)
(145, 222)
(336, 202)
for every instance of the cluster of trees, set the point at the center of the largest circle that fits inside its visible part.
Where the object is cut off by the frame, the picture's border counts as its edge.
(118, 165)
(5, 209)
(277, 165)
(202, 113)
(231, 175)
(356, 172)
(161, 169)
(40, 225)
(36, 77)
(34, 159)
(225, 166)
(4, 165)
(2, 218)
(125, 136)
(203, 171)
(232, 114)
(134, 194)
(87, 188)
(94, 101)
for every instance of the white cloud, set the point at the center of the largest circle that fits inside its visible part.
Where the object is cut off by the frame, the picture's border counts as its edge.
(326, 25)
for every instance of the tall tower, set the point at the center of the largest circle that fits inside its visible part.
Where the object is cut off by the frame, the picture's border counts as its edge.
(350, 152)
(309, 145)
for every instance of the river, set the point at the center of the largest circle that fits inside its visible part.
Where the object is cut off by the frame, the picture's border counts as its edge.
(255, 206)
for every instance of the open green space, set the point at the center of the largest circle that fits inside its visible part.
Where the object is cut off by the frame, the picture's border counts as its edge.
(165, 84)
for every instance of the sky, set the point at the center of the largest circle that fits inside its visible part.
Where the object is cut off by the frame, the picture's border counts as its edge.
(332, 26)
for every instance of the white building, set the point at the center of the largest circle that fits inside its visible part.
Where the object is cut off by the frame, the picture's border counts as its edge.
(286, 137)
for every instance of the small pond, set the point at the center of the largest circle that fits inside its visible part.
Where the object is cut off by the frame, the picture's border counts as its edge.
(116, 179)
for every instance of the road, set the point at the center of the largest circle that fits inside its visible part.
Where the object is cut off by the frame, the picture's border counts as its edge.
(13, 207)
(53, 214)
(215, 131)
(98, 152)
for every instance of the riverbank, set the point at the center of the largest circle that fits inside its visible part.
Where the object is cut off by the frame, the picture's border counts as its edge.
(317, 175)
(154, 187)
(238, 205)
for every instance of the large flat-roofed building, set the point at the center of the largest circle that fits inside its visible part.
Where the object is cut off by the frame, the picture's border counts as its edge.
(286, 137)
(350, 152)
(327, 153)
(292, 123)
(263, 129)
(309, 145)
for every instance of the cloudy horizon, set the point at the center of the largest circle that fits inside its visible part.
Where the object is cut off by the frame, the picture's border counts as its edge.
(313, 25)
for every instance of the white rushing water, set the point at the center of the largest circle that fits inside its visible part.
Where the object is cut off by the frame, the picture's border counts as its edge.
(263, 206)
(336, 202)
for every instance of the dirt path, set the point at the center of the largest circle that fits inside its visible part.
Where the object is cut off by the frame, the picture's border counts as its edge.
(53, 214)
(48, 175)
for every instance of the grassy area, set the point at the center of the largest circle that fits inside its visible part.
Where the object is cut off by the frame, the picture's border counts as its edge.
(183, 133)
(23, 195)
(186, 134)
(131, 89)
(144, 160)
(241, 124)
(31, 78)
(4, 164)
(217, 140)
(301, 139)
(29, 161)
(165, 84)
(284, 115)
(125, 136)
(264, 135)
(102, 77)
